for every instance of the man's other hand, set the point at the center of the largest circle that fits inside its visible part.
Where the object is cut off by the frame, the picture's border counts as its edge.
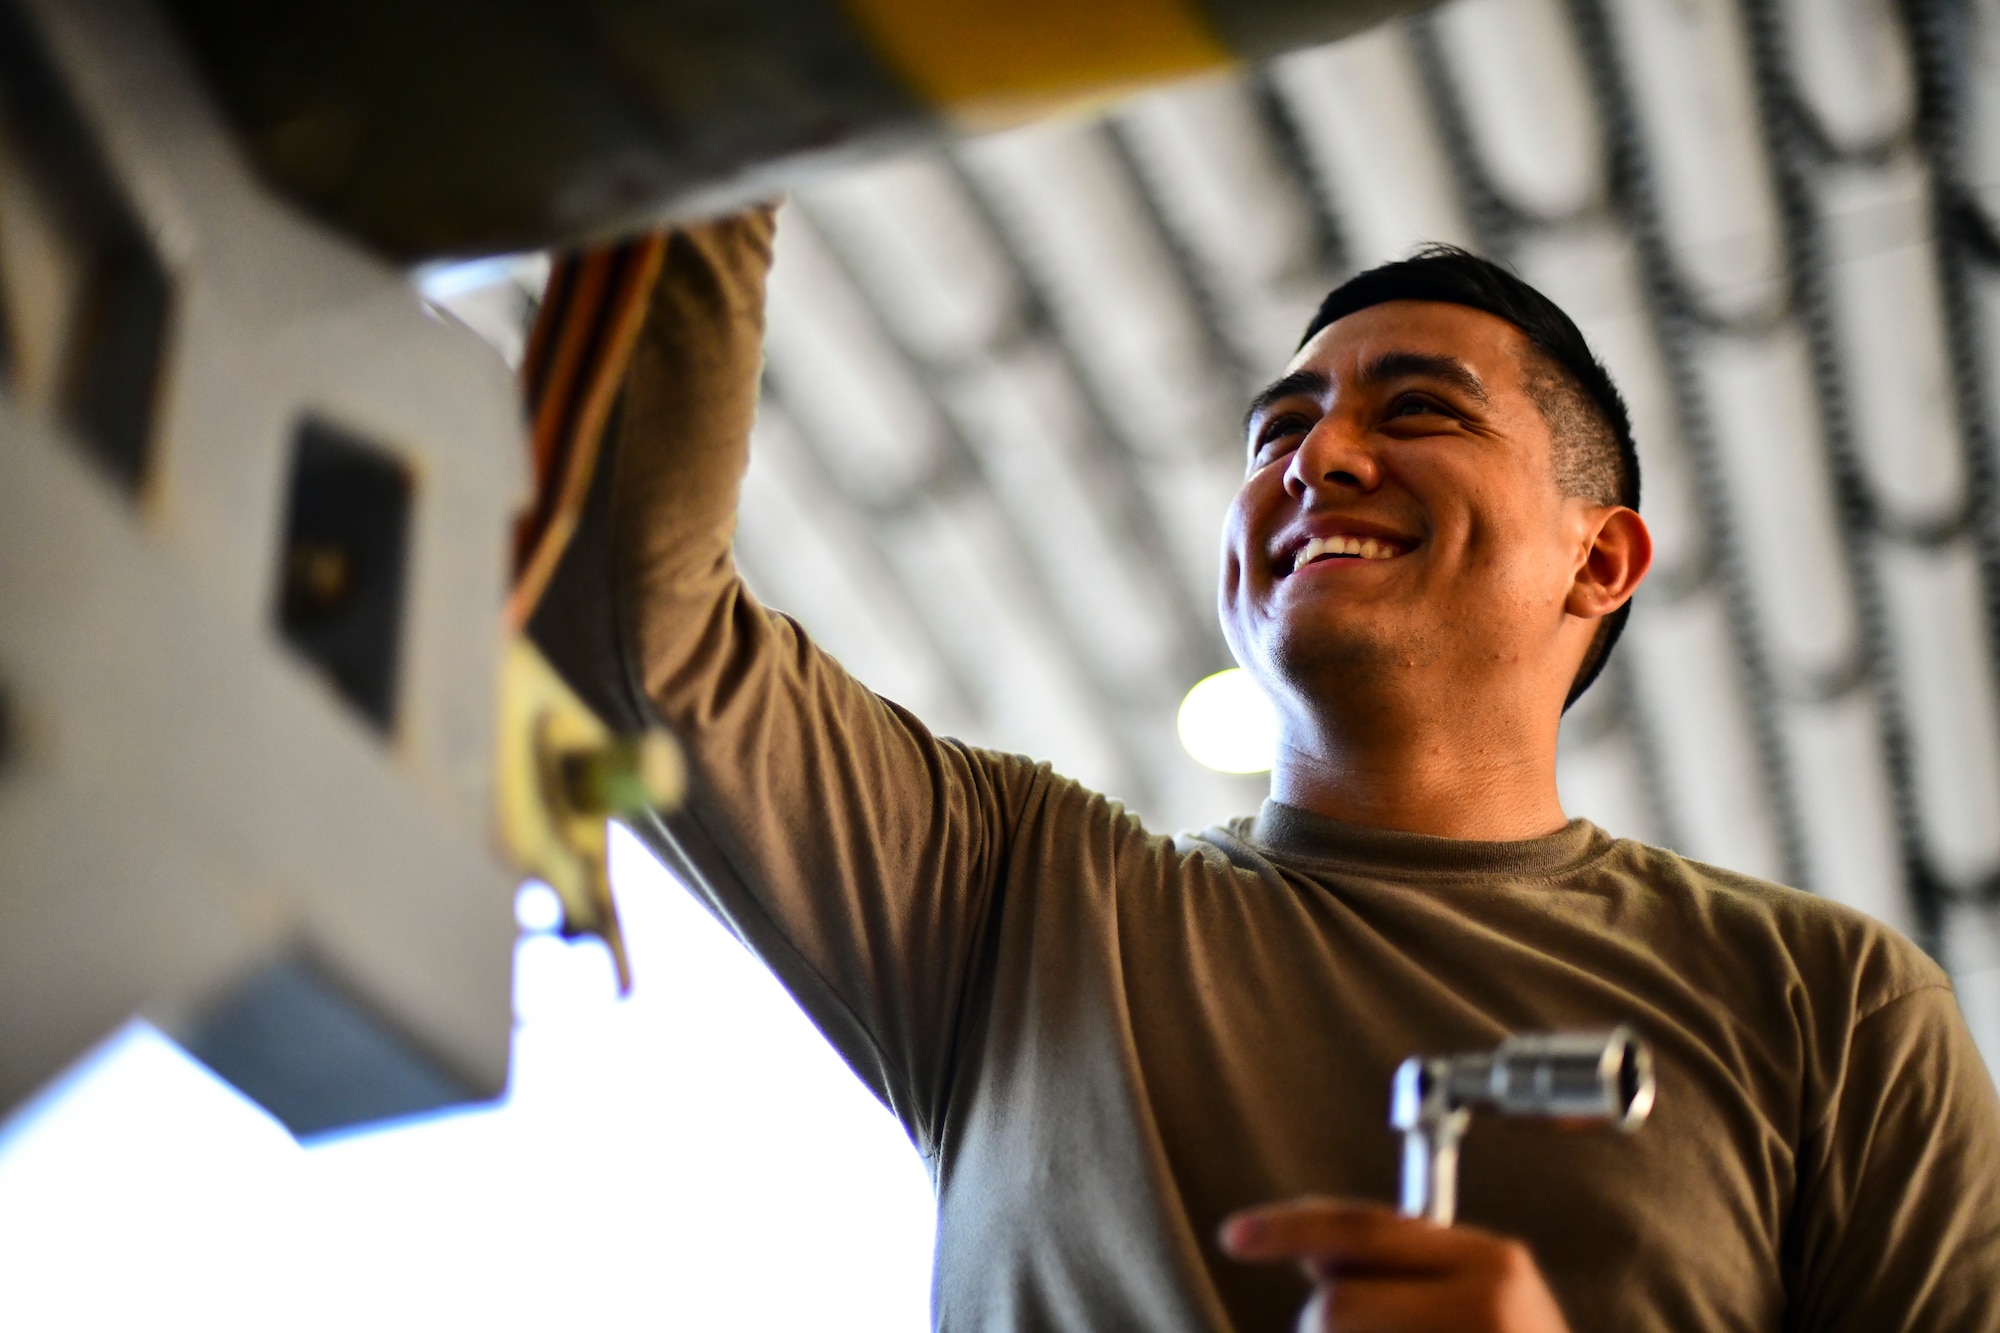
(1378, 1272)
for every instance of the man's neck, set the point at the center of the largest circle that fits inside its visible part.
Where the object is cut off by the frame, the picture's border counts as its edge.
(1488, 776)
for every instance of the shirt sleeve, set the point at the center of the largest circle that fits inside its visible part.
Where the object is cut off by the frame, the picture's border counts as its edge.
(1897, 1219)
(853, 851)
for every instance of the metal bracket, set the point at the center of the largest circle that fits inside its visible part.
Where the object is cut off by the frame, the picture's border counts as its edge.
(561, 775)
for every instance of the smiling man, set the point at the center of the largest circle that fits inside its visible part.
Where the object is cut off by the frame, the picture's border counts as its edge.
(1150, 1074)
(1434, 550)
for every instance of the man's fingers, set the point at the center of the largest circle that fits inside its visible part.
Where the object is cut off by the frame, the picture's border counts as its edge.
(1380, 1305)
(1332, 1236)
(1376, 1270)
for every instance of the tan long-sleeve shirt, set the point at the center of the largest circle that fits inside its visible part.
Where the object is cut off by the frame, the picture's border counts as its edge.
(1104, 1040)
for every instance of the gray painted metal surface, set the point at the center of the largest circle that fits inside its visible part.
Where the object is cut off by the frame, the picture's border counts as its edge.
(189, 799)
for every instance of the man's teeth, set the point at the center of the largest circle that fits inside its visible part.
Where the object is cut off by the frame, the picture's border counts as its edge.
(1365, 547)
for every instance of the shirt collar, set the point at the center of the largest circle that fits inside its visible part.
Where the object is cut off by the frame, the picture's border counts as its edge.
(1294, 833)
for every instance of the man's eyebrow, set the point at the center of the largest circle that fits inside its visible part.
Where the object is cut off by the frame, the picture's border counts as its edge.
(1428, 365)
(1312, 382)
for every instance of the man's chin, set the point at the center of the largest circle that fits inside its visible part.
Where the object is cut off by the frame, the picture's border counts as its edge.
(1325, 653)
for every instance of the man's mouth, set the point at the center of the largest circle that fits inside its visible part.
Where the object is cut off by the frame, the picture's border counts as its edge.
(1341, 546)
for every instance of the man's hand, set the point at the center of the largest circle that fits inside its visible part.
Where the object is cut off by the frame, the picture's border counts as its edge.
(1378, 1272)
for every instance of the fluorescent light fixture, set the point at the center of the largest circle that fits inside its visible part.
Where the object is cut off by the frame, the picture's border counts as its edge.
(1227, 723)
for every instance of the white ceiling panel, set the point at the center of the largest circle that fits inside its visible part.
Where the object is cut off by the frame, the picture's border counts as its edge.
(1847, 807)
(1528, 102)
(1972, 953)
(1684, 665)
(918, 242)
(842, 380)
(1108, 275)
(1229, 194)
(1243, 212)
(1371, 132)
(809, 558)
(1604, 781)
(1985, 305)
(1851, 64)
(1982, 90)
(1689, 66)
(1985, 312)
(1884, 280)
(1023, 415)
(1767, 429)
(1941, 645)
(1191, 499)
(1032, 699)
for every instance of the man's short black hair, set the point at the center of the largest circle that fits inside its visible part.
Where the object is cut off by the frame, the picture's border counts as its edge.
(1595, 455)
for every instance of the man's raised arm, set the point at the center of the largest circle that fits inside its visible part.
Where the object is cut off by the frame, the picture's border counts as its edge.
(850, 848)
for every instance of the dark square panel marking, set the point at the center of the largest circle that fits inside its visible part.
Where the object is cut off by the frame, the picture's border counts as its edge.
(343, 567)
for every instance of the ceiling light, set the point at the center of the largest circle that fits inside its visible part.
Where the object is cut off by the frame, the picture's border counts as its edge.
(1227, 723)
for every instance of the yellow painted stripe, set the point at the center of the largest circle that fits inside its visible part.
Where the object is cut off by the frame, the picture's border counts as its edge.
(1002, 61)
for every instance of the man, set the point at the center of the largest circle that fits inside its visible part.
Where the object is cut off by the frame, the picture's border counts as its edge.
(1122, 1054)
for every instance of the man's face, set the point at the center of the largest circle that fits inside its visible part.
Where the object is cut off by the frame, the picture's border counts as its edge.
(1401, 513)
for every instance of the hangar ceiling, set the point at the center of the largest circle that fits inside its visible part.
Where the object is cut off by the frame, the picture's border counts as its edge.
(1004, 382)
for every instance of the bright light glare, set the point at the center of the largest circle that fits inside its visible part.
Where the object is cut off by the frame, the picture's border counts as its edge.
(695, 1157)
(443, 282)
(1227, 723)
(537, 909)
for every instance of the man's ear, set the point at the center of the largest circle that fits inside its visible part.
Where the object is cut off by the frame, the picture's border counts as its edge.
(1614, 564)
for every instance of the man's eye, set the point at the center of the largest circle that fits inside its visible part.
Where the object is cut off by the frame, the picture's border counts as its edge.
(1278, 428)
(1415, 405)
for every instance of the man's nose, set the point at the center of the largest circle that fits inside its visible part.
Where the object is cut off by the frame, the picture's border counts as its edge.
(1332, 458)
